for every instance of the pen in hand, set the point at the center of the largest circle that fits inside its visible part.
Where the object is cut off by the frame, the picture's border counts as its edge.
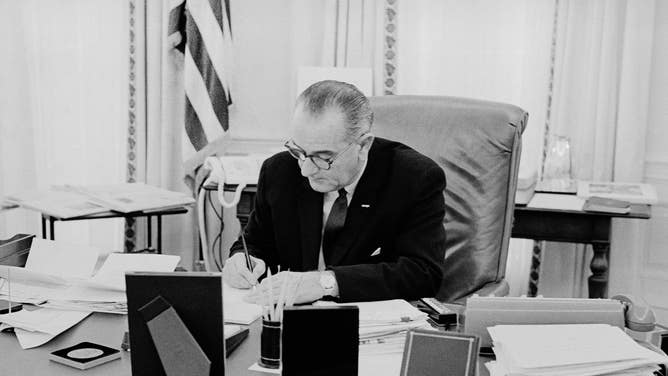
(249, 263)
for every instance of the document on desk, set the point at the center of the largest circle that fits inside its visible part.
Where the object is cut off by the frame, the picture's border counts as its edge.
(581, 349)
(112, 273)
(236, 310)
(61, 259)
(556, 201)
(36, 327)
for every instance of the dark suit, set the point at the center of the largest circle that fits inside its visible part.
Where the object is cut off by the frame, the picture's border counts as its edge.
(398, 205)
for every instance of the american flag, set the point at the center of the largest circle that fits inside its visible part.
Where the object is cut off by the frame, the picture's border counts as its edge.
(200, 29)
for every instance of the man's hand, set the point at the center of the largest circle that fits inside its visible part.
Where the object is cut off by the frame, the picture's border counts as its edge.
(299, 288)
(236, 273)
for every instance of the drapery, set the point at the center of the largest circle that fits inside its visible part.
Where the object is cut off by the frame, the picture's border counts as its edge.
(63, 109)
(493, 50)
(601, 95)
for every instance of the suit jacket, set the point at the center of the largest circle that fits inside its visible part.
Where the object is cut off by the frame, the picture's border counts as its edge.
(398, 205)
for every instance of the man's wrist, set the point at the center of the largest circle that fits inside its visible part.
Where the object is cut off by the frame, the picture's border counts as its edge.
(329, 284)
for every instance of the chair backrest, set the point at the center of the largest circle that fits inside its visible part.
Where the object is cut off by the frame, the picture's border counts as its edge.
(477, 143)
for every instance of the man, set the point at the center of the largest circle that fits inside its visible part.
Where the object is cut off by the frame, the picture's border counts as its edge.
(360, 218)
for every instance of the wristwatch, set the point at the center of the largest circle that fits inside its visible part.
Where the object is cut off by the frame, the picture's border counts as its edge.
(328, 282)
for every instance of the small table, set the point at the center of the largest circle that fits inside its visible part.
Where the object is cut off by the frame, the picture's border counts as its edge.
(575, 226)
(113, 214)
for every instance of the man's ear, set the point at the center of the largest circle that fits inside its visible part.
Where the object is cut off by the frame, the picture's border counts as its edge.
(366, 141)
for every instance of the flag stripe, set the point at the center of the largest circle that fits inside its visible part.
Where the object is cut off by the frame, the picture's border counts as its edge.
(194, 127)
(217, 12)
(211, 80)
(211, 36)
(198, 94)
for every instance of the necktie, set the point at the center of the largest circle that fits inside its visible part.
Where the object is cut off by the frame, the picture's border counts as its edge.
(334, 225)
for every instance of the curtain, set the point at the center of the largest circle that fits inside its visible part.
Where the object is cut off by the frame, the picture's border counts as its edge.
(63, 109)
(601, 94)
(485, 49)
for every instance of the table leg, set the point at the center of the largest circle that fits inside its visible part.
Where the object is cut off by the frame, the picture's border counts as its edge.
(534, 274)
(159, 249)
(43, 227)
(51, 223)
(598, 282)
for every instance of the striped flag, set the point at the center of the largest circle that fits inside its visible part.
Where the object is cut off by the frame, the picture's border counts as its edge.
(200, 29)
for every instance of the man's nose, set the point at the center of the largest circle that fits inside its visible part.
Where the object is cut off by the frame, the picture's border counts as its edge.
(308, 168)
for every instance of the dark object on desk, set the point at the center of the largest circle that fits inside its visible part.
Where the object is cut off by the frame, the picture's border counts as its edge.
(178, 350)
(14, 251)
(270, 344)
(432, 352)
(6, 308)
(321, 341)
(231, 343)
(437, 311)
(85, 355)
(606, 205)
(198, 300)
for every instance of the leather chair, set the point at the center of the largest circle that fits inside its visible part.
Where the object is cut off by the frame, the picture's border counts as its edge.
(477, 143)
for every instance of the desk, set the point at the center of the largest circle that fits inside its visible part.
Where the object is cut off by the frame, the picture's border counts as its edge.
(576, 226)
(108, 329)
(572, 226)
(112, 214)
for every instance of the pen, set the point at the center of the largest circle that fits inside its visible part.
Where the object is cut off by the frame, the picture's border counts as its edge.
(249, 264)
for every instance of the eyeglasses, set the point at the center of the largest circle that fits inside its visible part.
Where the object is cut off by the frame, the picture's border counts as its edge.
(321, 163)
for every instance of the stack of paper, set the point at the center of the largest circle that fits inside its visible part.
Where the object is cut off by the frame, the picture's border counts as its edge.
(579, 349)
(75, 201)
(58, 275)
(130, 197)
(37, 327)
(383, 325)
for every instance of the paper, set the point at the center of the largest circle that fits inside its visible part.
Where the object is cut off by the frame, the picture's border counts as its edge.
(61, 259)
(57, 201)
(29, 340)
(46, 320)
(112, 273)
(556, 202)
(582, 349)
(130, 197)
(236, 310)
(384, 311)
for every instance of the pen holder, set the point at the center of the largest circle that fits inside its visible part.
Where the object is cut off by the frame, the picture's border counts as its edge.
(270, 344)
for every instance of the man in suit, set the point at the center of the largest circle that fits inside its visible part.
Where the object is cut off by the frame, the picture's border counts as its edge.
(355, 216)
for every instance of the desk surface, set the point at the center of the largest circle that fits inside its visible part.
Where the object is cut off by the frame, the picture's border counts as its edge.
(108, 329)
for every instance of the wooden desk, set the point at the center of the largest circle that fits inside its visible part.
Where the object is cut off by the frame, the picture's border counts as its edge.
(576, 226)
(113, 214)
(108, 329)
(572, 226)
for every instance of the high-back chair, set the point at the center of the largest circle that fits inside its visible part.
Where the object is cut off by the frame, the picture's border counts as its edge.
(477, 143)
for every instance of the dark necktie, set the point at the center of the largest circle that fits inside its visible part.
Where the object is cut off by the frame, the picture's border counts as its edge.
(334, 225)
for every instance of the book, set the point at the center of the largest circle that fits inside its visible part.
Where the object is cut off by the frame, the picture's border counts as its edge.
(635, 193)
(606, 205)
(85, 355)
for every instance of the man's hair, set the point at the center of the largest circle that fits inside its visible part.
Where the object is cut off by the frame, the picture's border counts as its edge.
(329, 94)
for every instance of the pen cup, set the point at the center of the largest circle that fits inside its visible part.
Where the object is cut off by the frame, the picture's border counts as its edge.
(270, 344)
